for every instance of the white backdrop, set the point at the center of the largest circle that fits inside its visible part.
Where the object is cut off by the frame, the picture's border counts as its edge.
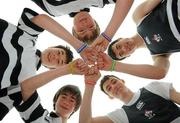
(10, 10)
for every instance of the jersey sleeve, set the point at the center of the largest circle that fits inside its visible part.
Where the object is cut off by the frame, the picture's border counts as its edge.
(160, 88)
(27, 25)
(118, 116)
(31, 111)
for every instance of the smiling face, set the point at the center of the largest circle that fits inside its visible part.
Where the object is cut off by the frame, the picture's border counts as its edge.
(65, 105)
(84, 25)
(53, 57)
(123, 47)
(114, 87)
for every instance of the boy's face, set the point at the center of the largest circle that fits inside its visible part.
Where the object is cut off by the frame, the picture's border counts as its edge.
(114, 87)
(53, 57)
(84, 25)
(65, 104)
(123, 47)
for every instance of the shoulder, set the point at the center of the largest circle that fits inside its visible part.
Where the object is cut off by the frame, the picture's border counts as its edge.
(160, 88)
(118, 116)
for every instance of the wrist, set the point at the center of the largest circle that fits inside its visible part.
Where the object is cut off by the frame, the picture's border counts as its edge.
(90, 82)
(105, 36)
(70, 68)
(82, 47)
(113, 65)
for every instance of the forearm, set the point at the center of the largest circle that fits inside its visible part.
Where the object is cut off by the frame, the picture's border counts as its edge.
(175, 96)
(121, 10)
(30, 85)
(143, 9)
(85, 111)
(55, 28)
(141, 70)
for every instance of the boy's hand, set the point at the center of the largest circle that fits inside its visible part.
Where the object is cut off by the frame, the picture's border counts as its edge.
(78, 66)
(104, 62)
(92, 76)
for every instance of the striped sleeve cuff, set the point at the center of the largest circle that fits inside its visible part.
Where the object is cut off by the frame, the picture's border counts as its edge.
(27, 25)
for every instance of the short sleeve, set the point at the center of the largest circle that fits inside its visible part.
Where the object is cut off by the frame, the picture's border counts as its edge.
(160, 88)
(27, 25)
(118, 116)
(32, 110)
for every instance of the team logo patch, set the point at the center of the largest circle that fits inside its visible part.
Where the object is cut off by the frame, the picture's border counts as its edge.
(140, 105)
(149, 114)
(157, 37)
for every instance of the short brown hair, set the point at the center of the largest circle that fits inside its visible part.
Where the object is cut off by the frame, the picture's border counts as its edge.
(72, 89)
(86, 39)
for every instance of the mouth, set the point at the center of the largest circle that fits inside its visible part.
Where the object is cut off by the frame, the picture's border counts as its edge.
(117, 90)
(64, 107)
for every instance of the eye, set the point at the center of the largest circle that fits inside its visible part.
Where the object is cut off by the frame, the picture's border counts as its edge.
(72, 100)
(63, 97)
(108, 88)
(114, 82)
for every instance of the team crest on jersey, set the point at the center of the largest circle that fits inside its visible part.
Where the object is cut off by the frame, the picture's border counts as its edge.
(157, 37)
(147, 40)
(140, 105)
(149, 114)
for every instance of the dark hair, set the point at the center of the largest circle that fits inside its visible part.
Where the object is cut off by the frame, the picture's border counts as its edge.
(104, 79)
(72, 89)
(111, 52)
(69, 53)
(86, 39)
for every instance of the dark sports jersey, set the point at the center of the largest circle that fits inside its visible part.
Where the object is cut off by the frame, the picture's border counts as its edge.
(62, 7)
(32, 111)
(151, 108)
(160, 29)
(17, 50)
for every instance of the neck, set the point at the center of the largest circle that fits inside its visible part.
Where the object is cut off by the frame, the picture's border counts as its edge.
(64, 120)
(139, 42)
(127, 96)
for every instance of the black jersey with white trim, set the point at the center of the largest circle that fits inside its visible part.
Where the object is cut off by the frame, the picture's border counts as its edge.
(151, 108)
(17, 49)
(62, 7)
(160, 29)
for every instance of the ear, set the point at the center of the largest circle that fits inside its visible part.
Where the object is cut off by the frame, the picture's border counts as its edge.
(110, 97)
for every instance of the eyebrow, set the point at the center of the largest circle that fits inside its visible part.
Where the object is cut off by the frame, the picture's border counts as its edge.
(72, 96)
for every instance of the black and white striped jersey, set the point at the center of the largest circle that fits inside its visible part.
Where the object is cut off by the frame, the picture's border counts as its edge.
(32, 111)
(18, 59)
(160, 29)
(62, 7)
